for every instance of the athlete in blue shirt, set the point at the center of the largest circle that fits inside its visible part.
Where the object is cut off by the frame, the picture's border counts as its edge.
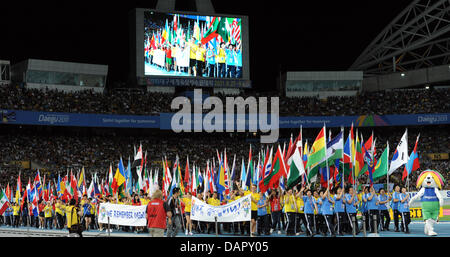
(385, 218)
(351, 204)
(403, 208)
(263, 216)
(372, 207)
(230, 61)
(339, 208)
(211, 60)
(309, 207)
(318, 216)
(327, 212)
(364, 209)
(395, 203)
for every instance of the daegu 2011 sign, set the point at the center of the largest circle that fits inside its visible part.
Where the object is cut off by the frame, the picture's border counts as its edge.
(120, 214)
(236, 211)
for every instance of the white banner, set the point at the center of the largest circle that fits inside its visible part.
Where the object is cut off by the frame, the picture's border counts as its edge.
(239, 210)
(183, 57)
(159, 57)
(121, 214)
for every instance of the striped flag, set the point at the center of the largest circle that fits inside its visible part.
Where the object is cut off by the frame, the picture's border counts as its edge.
(236, 31)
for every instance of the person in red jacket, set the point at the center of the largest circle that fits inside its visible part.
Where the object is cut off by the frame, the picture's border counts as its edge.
(157, 212)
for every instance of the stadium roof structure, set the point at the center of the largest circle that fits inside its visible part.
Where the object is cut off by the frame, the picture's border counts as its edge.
(418, 38)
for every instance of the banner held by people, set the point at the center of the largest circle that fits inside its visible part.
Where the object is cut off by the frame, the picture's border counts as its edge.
(236, 211)
(120, 214)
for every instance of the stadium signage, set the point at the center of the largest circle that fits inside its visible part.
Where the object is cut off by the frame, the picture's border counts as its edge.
(52, 119)
(246, 121)
(432, 118)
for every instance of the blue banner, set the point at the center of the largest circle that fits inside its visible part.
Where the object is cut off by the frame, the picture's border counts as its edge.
(78, 119)
(163, 120)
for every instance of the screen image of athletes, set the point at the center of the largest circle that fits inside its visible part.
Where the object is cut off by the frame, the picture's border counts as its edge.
(191, 45)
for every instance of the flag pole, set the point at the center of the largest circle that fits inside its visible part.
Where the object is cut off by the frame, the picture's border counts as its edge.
(407, 174)
(326, 157)
(342, 175)
(387, 168)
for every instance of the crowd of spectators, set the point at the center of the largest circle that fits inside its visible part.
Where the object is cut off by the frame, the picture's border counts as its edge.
(145, 103)
(61, 151)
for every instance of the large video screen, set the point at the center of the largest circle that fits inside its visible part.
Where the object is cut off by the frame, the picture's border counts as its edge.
(192, 45)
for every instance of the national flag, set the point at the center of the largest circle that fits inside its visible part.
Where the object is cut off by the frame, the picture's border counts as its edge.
(318, 150)
(382, 166)
(4, 202)
(34, 202)
(81, 185)
(243, 175)
(8, 193)
(186, 171)
(233, 173)
(119, 177)
(37, 183)
(400, 155)
(296, 144)
(221, 178)
(73, 186)
(324, 171)
(110, 180)
(305, 154)
(296, 170)
(236, 31)
(18, 190)
(250, 168)
(335, 148)
(317, 154)
(370, 163)
(226, 176)
(278, 170)
(348, 157)
(413, 161)
(218, 27)
(360, 167)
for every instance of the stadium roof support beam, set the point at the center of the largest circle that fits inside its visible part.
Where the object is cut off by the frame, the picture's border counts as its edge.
(418, 34)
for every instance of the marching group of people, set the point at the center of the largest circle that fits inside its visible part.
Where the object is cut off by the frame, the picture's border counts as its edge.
(204, 60)
(294, 212)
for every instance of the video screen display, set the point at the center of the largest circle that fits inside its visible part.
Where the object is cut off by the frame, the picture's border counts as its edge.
(192, 45)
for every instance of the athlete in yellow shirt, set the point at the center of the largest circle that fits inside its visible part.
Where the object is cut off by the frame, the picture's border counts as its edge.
(187, 200)
(301, 218)
(254, 207)
(192, 57)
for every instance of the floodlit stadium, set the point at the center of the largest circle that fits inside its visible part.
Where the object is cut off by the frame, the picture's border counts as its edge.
(318, 154)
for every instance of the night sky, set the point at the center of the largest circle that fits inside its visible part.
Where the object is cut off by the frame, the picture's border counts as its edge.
(311, 36)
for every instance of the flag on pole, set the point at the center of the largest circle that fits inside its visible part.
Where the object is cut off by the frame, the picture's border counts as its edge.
(413, 161)
(8, 193)
(400, 155)
(382, 166)
(296, 169)
(317, 154)
(278, 170)
(4, 202)
(18, 189)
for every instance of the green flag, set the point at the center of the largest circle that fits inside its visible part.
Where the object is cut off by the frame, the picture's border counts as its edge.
(296, 170)
(381, 169)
